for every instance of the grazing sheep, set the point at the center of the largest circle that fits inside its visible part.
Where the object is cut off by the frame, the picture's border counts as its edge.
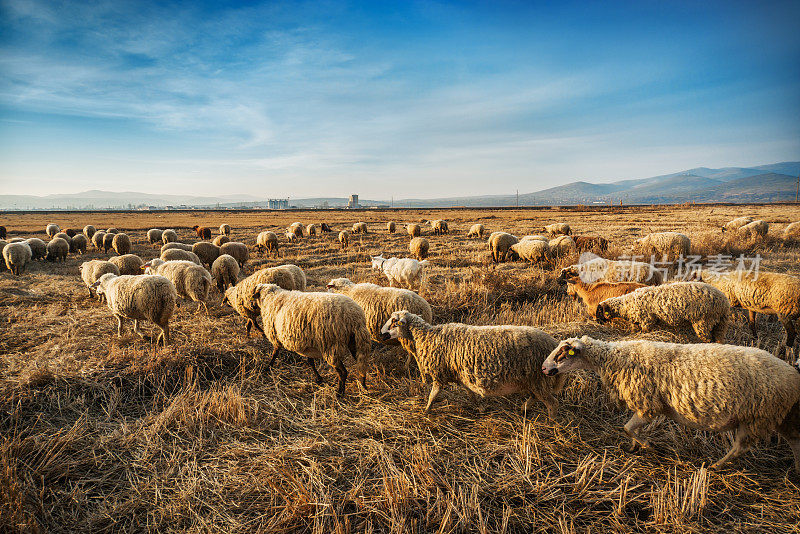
(154, 236)
(792, 231)
(413, 229)
(207, 252)
(38, 248)
(202, 232)
(63, 235)
(439, 227)
(112, 231)
(51, 230)
(586, 242)
(191, 281)
(603, 270)
(225, 271)
(360, 228)
(127, 263)
(57, 249)
(325, 228)
(239, 297)
(419, 247)
(17, 256)
(391, 227)
(488, 360)
(531, 250)
(78, 243)
(71, 232)
(169, 236)
(108, 241)
(225, 229)
(535, 237)
(558, 228)
(753, 230)
(595, 293)
(291, 237)
(735, 224)
(671, 245)
(380, 302)
(476, 230)
(267, 241)
(176, 245)
(709, 387)
(176, 254)
(221, 240)
(121, 243)
(401, 271)
(237, 250)
(562, 246)
(89, 231)
(311, 229)
(3, 232)
(141, 298)
(296, 228)
(700, 305)
(764, 292)
(99, 239)
(92, 270)
(344, 239)
(315, 325)
(500, 243)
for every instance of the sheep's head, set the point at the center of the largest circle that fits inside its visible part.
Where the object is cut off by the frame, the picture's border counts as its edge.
(337, 284)
(392, 328)
(101, 284)
(605, 313)
(263, 290)
(568, 356)
(377, 262)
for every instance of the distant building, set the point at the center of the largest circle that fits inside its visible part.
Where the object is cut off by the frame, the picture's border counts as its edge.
(278, 203)
(353, 203)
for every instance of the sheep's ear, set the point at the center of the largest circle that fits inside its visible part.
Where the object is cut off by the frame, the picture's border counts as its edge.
(95, 285)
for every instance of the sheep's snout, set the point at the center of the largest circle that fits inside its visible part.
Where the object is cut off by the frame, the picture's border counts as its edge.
(549, 371)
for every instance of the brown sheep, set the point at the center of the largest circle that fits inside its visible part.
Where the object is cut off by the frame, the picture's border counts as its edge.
(202, 232)
(593, 294)
(2, 232)
(590, 242)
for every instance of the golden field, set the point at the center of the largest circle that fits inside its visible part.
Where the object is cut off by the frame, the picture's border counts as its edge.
(107, 434)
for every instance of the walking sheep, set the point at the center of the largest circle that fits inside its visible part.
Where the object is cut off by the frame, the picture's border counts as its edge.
(401, 271)
(57, 249)
(413, 229)
(127, 264)
(700, 305)
(237, 250)
(390, 227)
(225, 271)
(154, 236)
(500, 243)
(344, 239)
(488, 360)
(717, 388)
(315, 325)
(191, 281)
(419, 247)
(267, 240)
(202, 232)
(671, 245)
(225, 229)
(141, 298)
(92, 270)
(17, 256)
(476, 230)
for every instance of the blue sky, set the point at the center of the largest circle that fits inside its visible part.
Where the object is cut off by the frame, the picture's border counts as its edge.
(407, 99)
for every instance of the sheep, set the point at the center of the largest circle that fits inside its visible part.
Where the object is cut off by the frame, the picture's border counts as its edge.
(237, 250)
(590, 242)
(141, 298)
(419, 246)
(531, 250)
(563, 245)
(380, 302)
(225, 271)
(670, 245)
(792, 231)
(344, 239)
(267, 241)
(176, 254)
(3, 232)
(476, 230)
(38, 248)
(3, 244)
(536, 238)
(325, 228)
(63, 235)
(127, 263)
(207, 252)
(558, 228)
(154, 236)
(500, 243)
(291, 237)
(402, 271)
(202, 232)
(225, 229)
(311, 229)
(176, 245)
(17, 256)
(487, 360)
(112, 231)
(754, 230)
(169, 236)
(71, 232)
(108, 241)
(57, 249)
(390, 227)
(121, 243)
(709, 387)
(239, 297)
(439, 227)
(603, 270)
(98, 239)
(78, 243)
(92, 270)
(762, 292)
(315, 325)
(221, 240)
(191, 281)
(297, 229)
(51, 230)
(593, 294)
(701, 305)
(413, 229)
(360, 228)
(735, 224)
(89, 231)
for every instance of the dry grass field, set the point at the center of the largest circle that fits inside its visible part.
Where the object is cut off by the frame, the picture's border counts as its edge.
(107, 434)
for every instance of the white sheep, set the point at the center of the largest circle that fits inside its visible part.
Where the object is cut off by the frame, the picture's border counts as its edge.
(671, 245)
(500, 244)
(92, 270)
(176, 245)
(737, 223)
(89, 231)
(706, 386)
(51, 230)
(344, 239)
(38, 248)
(792, 231)
(391, 227)
(225, 271)
(558, 228)
(17, 256)
(169, 236)
(562, 246)
(127, 264)
(98, 239)
(176, 254)
(401, 271)
(225, 229)
(360, 228)
(267, 240)
(78, 243)
(191, 281)
(154, 236)
(57, 249)
(476, 230)
(207, 252)
(603, 270)
(754, 230)
(531, 250)
(237, 250)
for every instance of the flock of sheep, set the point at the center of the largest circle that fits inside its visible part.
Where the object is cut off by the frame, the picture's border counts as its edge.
(706, 385)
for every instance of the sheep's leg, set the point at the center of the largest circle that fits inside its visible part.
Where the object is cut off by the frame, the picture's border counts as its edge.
(164, 335)
(549, 401)
(275, 352)
(741, 444)
(435, 389)
(120, 324)
(631, 429)
(137, 330)
(317, 377)
(753, 319)
(719, 331)
(788, 324)
(342, 372)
